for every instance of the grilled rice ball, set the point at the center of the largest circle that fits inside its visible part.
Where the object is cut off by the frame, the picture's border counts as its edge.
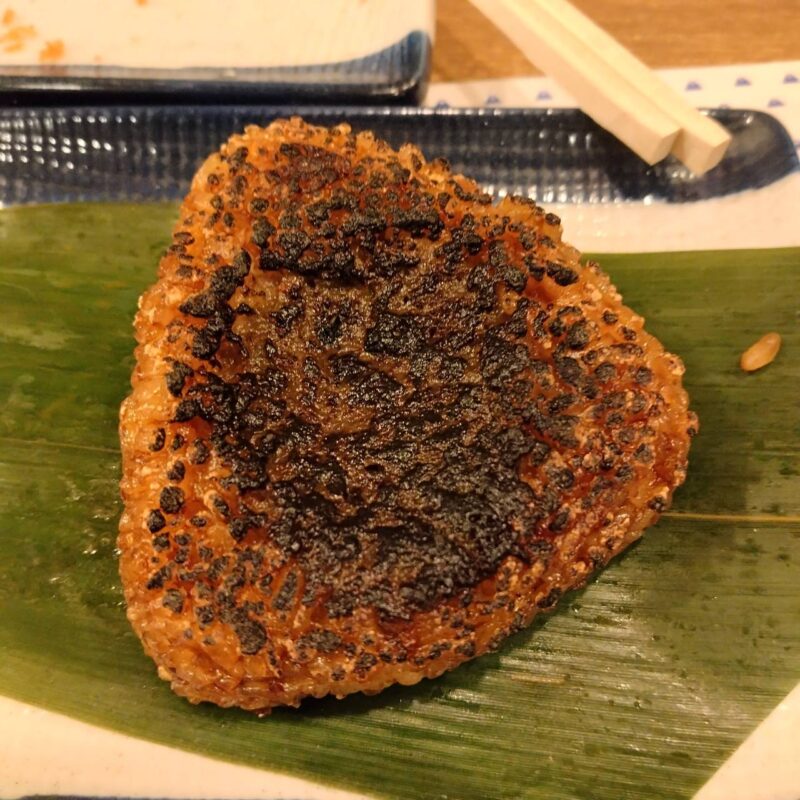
(377, 423)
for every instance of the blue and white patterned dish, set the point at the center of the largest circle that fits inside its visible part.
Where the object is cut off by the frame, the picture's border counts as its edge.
(395, 74)
(552, 155)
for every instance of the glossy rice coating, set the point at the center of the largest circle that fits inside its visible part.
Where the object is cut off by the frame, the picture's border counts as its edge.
(377, 423)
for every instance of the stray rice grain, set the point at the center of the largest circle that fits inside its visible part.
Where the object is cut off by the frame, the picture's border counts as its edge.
(761, 353)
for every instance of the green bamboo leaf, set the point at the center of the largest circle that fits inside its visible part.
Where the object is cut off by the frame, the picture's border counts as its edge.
(638, 686)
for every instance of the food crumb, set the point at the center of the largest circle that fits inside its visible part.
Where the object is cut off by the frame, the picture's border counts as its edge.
(52, 51)
(9, 15)
(761, 353)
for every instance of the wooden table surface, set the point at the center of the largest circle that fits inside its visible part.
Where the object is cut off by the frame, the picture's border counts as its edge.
(663, 33)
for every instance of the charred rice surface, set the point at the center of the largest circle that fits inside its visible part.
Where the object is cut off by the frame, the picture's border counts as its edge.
(377, 423)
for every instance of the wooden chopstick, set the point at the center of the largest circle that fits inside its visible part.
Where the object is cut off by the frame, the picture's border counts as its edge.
(609, 83)
(702, 142)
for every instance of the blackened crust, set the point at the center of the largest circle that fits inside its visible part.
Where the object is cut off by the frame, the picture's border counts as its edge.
(400, 421)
